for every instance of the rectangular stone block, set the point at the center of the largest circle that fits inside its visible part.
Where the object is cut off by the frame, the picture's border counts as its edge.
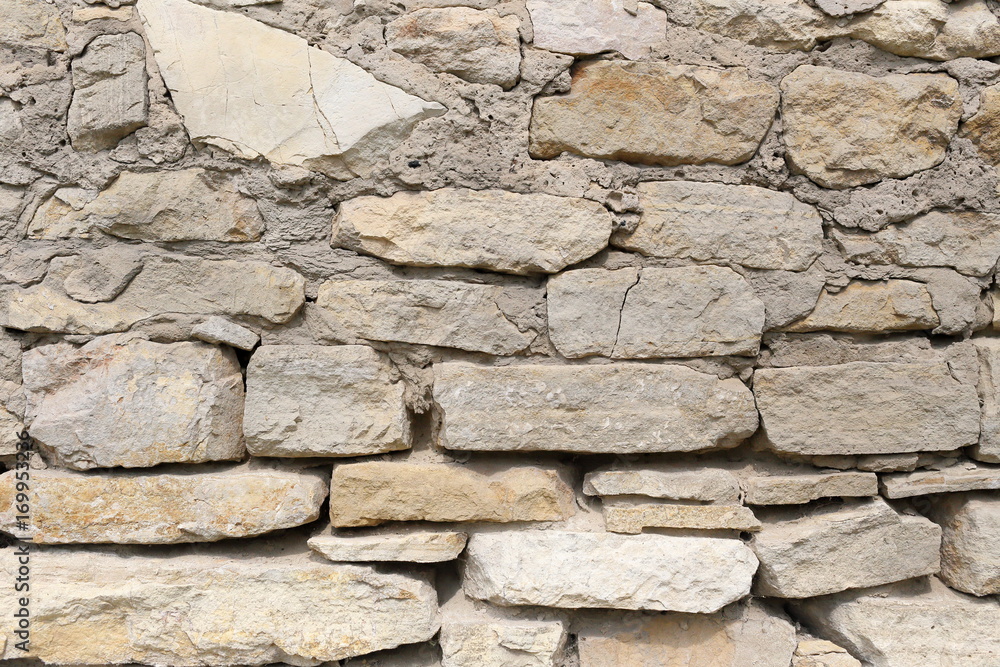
(988, 353)
(801, 489)
(409, 547)
(970, 544)
(871, 307)
(501, 643)
(672, 482)
(962, 477)
(632, 519)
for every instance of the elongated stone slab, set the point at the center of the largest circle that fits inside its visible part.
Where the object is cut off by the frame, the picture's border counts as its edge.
(565, 569)
(669, 482)
(580, 28)
(409, 547)
(871, 307)
(632, 519)
(801, 489)
(967, 477)
(988, 386)
(624, 408)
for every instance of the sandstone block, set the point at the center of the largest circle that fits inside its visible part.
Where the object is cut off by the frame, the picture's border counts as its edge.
(624, 408)
(124, 401)
(315, 400)
(988, 353)
(32, 24)
(410, 547)
(963, 477)
(367, 494)
(669, 482)
(581, 28)
(655, 113)
(843, 129)
(970, 553)
(982, 128)
(501, 643)
(872, 307)
(632, 519)
(479, 229)
(821, 653)
(801, 489)
(836, 548)
(865, 408)
(221, 331)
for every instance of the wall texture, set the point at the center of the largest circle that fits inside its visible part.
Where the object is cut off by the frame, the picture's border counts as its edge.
(543, 333)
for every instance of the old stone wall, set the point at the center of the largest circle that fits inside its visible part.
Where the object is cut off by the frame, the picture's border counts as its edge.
(480, 333)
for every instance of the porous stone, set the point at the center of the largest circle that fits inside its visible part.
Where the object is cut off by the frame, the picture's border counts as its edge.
(650, 313)
(409, 547)
(983, 129)
(109, 92)
(712, 222)
(254, 90)
(425, 312)
(988, 354)
(871, 307)
(479, 229)
(581, 28)
(367, 494)
(655, 113)
(316, 400)
(970, 553)
(221, 331)
(835, 548)
(674, 482)
(476, 45)
(123, 401)
(161, 508)
(570, 569)
(962, 477)
(801, 489)
(31, 23)
(214, 607)
(623, 408)
(632, 519)
(865, 408)
(843, 129)
(821, 653)
(501, 643)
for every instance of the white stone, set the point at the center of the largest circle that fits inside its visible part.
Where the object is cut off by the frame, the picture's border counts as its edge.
(581, 28)
(221, 331)
(501, 643)
(409, 547)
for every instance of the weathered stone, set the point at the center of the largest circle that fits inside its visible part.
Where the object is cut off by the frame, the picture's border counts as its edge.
(501, 643)
(632, 519)
(123, 401)
(31, 23)
(217, 607)
(581, 28)
(871, 307)
(479, 229)
(425, 312)
(835, 548)
(843, 129)
(315, 400)
(840, 8)
(970, 553)
(109, 92)
(102, 279)
(787, 295)
(219, 330)
(478, 46)
(98, 13)
(988, 353)
(655, 113)
(566, 569)
(907, 624)
(983, 129)
(962, 477)
(10, 426)
(866, 408)
(821, 653)
(161, 508)
(670, 482)
(255, 91)
(410, 547)
(801, 489)
(367, 494)
(624, 408)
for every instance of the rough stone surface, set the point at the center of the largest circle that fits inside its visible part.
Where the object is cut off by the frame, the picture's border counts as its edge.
(501, 643)
(864, 307)
(489, 229)
(568, 569)
(581, 28)
(970, 558)
(801, 489)
(221, 331)
(964, 477)
(982, 128)
(313, 400)
(410, 547)
(625, 408)
(668, 482)
(655, 113)
(32, 24)
(821, 653)
(632, 519)
(988, 354)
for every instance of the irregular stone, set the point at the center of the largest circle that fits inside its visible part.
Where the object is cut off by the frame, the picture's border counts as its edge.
(31, 23)
(584, 309)
(968, 242)
(478, 46)
(787, 295)
(254, 90)
(865, 408)
(410, 547)
(479, 229)
(821, 653)
(673, 482)
(426, 312)
(970, 558)
(221, 331)
(871, 307)
(632, 519)
(567, 569)
(711, 222)
(962, 477)
(98, 13)
(907, 624)
(655, 113)
(982, 128)
(103, 279)
(801, 489)
(57, 218)
(316, 400)
(501, 643)
(10, 426)
(109, 92)
(843, 129)
(988, 354)
(367, 494)
(161, 508)
(832, 549)
(623, 408)
(123, 401)
(840, 8)
(220, 607)
(595, 27)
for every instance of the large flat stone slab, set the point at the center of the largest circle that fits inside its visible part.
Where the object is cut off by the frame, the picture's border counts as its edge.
(970, 543)
(581, 28)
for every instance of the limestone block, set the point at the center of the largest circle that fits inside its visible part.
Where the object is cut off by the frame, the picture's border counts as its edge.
(98, 13)
(501, 643)
(866, 408)
(650, 313)
(479, 229)
(426, 312)
(581, 28)
(801, 489)
(983, 129)
(254, 90)
(315, 400)
(711, 222)
(31, 23)
(821, 653)
(674, 482)
(632, 519)
(988, 353)
(840, 8)
(568, 569)
(476, 45)
(622, 408)
(871, 307)
(833, 548)
(962, 477)
(367, 494)
(843, 129)
(970, 553)
(655, 113)
(123, 401)
(221, 331)
(161, 508)
(410, 547)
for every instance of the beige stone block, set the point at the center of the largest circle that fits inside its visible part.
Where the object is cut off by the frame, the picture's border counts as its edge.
(581, 28)
(970, 544)
(801, 489)
(632, 519)
(501, 643)
(32, 24)
(672, 482)
(962, 477)
(871, 307)
(409, 547)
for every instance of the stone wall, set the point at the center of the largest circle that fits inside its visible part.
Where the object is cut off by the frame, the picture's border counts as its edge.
(479, 333)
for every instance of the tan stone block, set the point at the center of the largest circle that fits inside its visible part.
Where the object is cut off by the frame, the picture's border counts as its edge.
(962, 477)
(409, 547)
(871, 307)
(671, 482)
(632, 519)
(970, 544)
(501, 643)
(801, 489)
